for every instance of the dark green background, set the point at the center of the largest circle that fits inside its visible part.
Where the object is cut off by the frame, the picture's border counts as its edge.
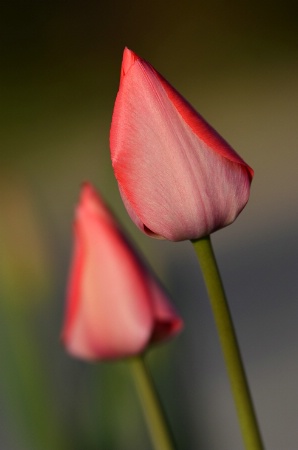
(237, 63)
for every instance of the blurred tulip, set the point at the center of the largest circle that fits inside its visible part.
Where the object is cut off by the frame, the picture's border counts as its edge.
(115, 307)
(178, 178)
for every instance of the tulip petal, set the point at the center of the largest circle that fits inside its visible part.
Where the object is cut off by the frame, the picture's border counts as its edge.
(167, 323)
(111, 300)
(178, 178)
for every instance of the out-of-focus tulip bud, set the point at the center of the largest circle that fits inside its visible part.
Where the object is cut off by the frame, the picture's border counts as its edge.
(115, 306)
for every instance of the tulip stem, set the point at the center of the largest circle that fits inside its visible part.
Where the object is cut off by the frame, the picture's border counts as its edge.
(160, 432)
(223, 320)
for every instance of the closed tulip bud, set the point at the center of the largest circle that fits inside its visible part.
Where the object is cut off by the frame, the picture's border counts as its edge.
(115, 306)
(178, 178)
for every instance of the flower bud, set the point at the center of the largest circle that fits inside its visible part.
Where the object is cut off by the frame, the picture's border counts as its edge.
(177, 177)
(115, 306)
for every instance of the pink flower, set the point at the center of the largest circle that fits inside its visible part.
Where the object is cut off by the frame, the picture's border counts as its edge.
(178, 178)
(115, 307)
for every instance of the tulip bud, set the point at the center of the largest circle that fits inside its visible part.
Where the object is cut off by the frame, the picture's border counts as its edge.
(177, 177)
(115, 306)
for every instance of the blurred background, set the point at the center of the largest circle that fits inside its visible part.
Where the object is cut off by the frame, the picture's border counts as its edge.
(237, 63)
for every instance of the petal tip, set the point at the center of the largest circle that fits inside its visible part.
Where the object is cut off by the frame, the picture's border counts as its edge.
(129, 58)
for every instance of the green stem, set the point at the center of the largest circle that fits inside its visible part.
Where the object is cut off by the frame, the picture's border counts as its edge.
(161, 435)
(230, 348)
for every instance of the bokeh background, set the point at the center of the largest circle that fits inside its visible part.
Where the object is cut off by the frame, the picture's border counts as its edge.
(237, 63)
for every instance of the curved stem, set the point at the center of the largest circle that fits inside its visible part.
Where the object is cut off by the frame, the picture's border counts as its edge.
(160, 432)
(244, 406)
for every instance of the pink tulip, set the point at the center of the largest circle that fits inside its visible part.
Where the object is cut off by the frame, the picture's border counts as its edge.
(178, 178)
(115, 307)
